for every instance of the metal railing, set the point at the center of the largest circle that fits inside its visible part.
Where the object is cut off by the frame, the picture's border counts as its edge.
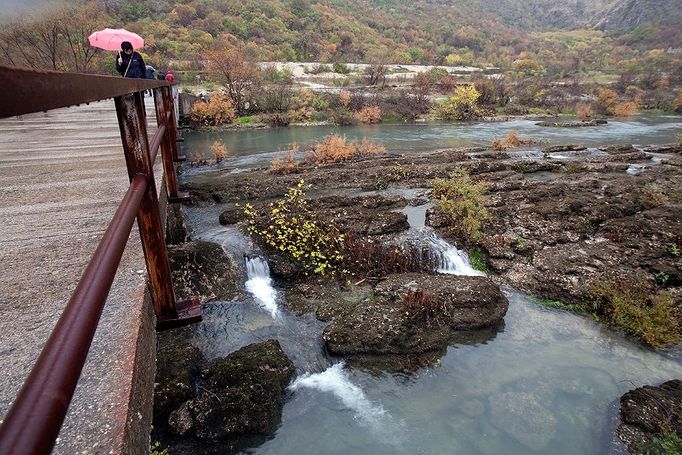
(34, 420)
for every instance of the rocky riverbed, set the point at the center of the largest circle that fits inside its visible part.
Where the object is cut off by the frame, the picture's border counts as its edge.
(560, 218)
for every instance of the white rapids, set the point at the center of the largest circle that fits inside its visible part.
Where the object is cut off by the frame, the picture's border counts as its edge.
(335, 380)
(259, 284)
(449, 259)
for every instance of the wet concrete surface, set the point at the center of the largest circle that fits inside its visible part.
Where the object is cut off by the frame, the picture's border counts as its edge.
(62, 176)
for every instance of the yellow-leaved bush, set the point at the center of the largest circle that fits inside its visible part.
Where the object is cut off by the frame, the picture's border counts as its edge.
(293, 229)
(462, 201)
(462, 104)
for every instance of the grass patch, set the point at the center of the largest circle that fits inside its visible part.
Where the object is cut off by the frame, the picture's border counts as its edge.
(477, 262)
(633, 306)
(668, 443)
(245, 119)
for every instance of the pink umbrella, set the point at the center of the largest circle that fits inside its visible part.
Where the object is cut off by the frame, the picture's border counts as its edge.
(110, 39)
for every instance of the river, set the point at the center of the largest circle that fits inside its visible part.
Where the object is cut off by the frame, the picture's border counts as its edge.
(261, 145)
(548, 381)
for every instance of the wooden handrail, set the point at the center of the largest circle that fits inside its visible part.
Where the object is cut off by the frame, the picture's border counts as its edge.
(34, 421)
(37, 91)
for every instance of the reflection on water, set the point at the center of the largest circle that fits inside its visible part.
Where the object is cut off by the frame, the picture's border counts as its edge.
(547, 382)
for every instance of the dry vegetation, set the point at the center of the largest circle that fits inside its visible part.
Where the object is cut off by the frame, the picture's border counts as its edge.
(336, 148)
(624, 109)
(630, 303)
(219, 151)
(608, 103)
(218, 111)
(511, 141)
(652, 197)
(370, 115)
(421, 306)
(583, 112)
(286, 164)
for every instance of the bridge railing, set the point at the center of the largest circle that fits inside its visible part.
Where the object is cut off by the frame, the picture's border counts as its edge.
(32, 424)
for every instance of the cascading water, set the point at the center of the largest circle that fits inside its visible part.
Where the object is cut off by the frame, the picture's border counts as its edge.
(259, 284)
(448, 259)
(335, 380)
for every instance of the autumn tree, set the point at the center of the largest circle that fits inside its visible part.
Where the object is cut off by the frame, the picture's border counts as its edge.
(422, 88)
(606, 101)
(528, 66)
(236, 68)
(184, 14)
(278, 90)
(58, 40)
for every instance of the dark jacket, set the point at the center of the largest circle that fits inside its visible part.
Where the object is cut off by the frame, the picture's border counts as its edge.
(136, 69)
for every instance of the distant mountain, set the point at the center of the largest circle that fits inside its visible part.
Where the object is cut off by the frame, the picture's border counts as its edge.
(542, 15)
(626, 15)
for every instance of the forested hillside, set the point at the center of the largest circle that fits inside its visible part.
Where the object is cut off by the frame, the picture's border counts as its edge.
(550, 37)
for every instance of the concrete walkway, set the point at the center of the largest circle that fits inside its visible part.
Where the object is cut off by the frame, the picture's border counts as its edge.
(62, 176)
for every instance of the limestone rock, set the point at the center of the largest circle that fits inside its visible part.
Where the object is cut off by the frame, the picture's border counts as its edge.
(203, 269)
(383, 325)
(648, 411)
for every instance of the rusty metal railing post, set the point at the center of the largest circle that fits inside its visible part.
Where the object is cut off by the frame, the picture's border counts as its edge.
(172, 127)
(164, 118)
(131, 119)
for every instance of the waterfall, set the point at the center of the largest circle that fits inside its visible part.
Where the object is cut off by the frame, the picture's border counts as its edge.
(335, 380)
(259, 284)
(448, 259)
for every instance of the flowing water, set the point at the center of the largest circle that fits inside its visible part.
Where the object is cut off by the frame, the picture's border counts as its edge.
(258, 146)
(548, 381)
(259, 284)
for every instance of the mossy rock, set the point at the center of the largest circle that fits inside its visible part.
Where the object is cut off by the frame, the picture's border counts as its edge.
(203, 269)
(239, 395)
(384, 326)
(177, 364)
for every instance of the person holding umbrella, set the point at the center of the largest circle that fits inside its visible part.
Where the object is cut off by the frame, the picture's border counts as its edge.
(130, 63)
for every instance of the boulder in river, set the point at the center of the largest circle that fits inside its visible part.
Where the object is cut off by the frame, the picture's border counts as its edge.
(564, 148)
(239, 395)
(618, 149)
(203, 269)
(649, 411)
(577, 124)
(232, 215)
(414, 313)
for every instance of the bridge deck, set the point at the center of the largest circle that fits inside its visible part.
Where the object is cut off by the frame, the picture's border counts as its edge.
(62, 175)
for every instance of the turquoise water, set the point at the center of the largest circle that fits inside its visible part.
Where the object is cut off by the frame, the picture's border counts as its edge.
(419, 137)
(547, 382)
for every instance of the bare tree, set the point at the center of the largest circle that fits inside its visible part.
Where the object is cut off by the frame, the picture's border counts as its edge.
(76, 28)
(376, 74)
(236, 68)
(57, 41)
